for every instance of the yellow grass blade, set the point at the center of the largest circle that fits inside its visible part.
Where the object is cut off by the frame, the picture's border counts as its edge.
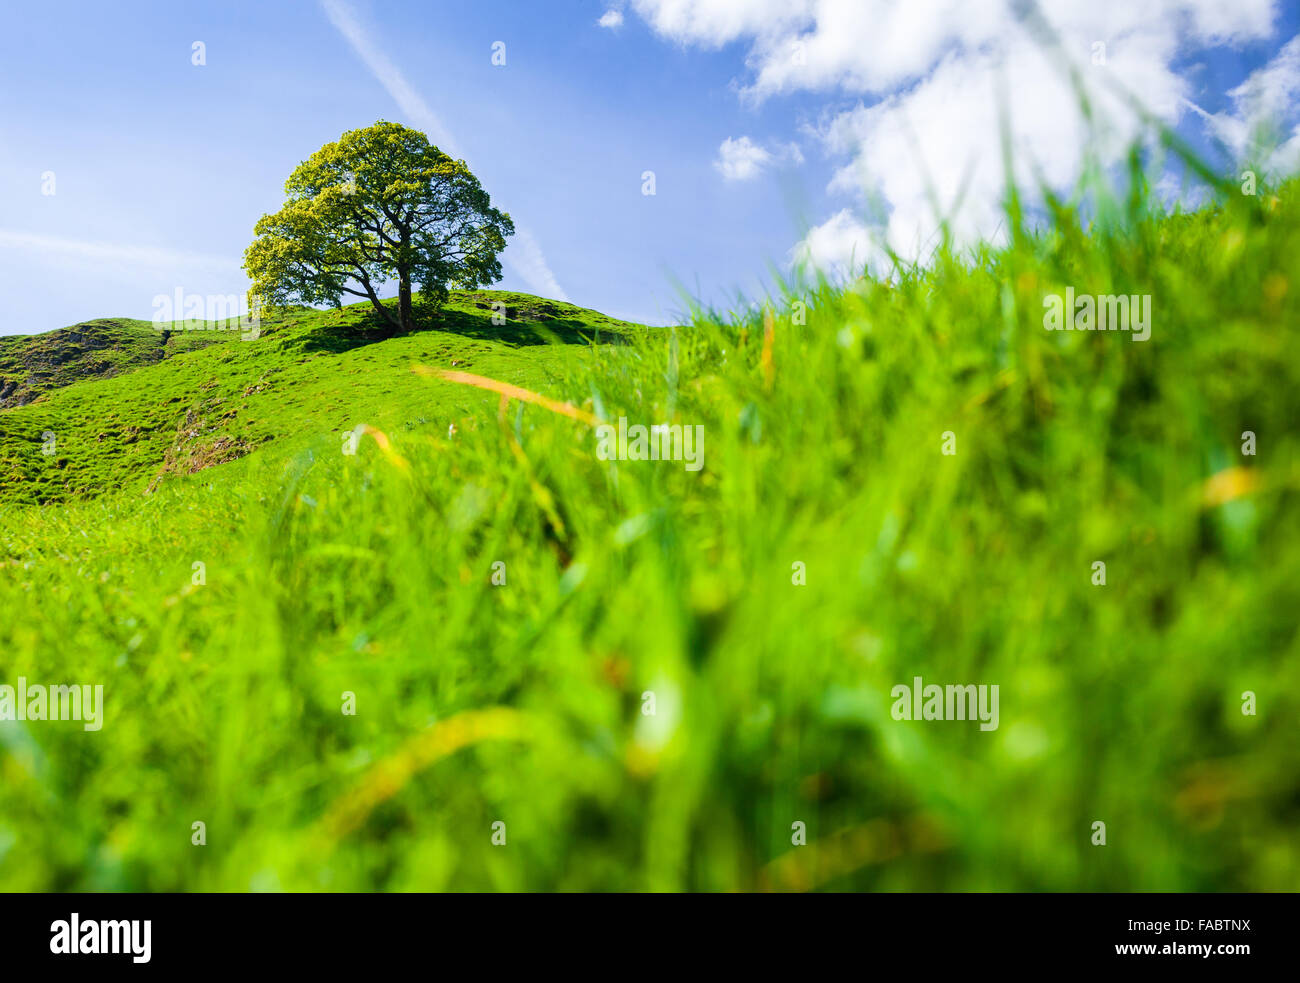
(1228, 484)
(807, 867)
(388, 777)
(386, 446)
(508, 391)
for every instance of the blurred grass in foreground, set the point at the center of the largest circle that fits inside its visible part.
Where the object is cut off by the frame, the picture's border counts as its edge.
(478, 703)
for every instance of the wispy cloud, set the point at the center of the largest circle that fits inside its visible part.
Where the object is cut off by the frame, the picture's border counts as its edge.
(389, 76)
(530, 264)
(1263, 127)
(526, 258)
(143, 257)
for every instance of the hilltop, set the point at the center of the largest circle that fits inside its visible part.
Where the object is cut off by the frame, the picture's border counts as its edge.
(128, 404)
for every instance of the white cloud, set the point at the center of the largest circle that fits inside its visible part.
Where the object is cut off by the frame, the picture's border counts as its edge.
(717, 22)
(526, 258)
(933, 152)
(840, 246)
(933, 73)
(612, 18)
(740, 159)
(876, 45)
(1264, 106)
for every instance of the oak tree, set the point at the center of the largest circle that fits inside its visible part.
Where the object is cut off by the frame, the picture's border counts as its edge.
(381, 204)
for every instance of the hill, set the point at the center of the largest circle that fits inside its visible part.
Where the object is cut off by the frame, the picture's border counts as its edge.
(31, 365)
(358, 664)
(151, 405)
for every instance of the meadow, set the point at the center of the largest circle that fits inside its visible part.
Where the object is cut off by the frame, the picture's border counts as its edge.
(568, 673)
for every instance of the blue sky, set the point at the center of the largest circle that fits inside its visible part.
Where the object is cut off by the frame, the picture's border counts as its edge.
(161, 167)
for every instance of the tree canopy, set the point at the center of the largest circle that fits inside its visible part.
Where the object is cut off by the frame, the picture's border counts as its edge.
(381, 204)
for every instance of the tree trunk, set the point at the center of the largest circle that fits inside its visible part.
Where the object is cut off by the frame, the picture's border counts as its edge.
(390, 324)
(404, 315)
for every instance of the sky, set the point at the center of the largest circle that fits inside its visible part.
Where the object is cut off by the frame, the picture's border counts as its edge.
(773, 133)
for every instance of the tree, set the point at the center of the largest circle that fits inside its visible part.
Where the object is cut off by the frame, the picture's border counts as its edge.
(382, 203)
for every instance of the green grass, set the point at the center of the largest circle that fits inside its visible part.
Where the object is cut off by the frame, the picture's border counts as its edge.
(31, 365)
(477, 703)
(308, 370)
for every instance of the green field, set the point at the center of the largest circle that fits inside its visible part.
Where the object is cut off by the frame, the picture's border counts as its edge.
(763, 606)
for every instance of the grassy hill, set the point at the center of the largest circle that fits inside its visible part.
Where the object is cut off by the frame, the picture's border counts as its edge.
(31, 365)
(651, 675)
(137, 418)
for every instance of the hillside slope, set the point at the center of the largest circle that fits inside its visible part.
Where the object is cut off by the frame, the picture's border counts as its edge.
(121, 417)
(31, 365)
